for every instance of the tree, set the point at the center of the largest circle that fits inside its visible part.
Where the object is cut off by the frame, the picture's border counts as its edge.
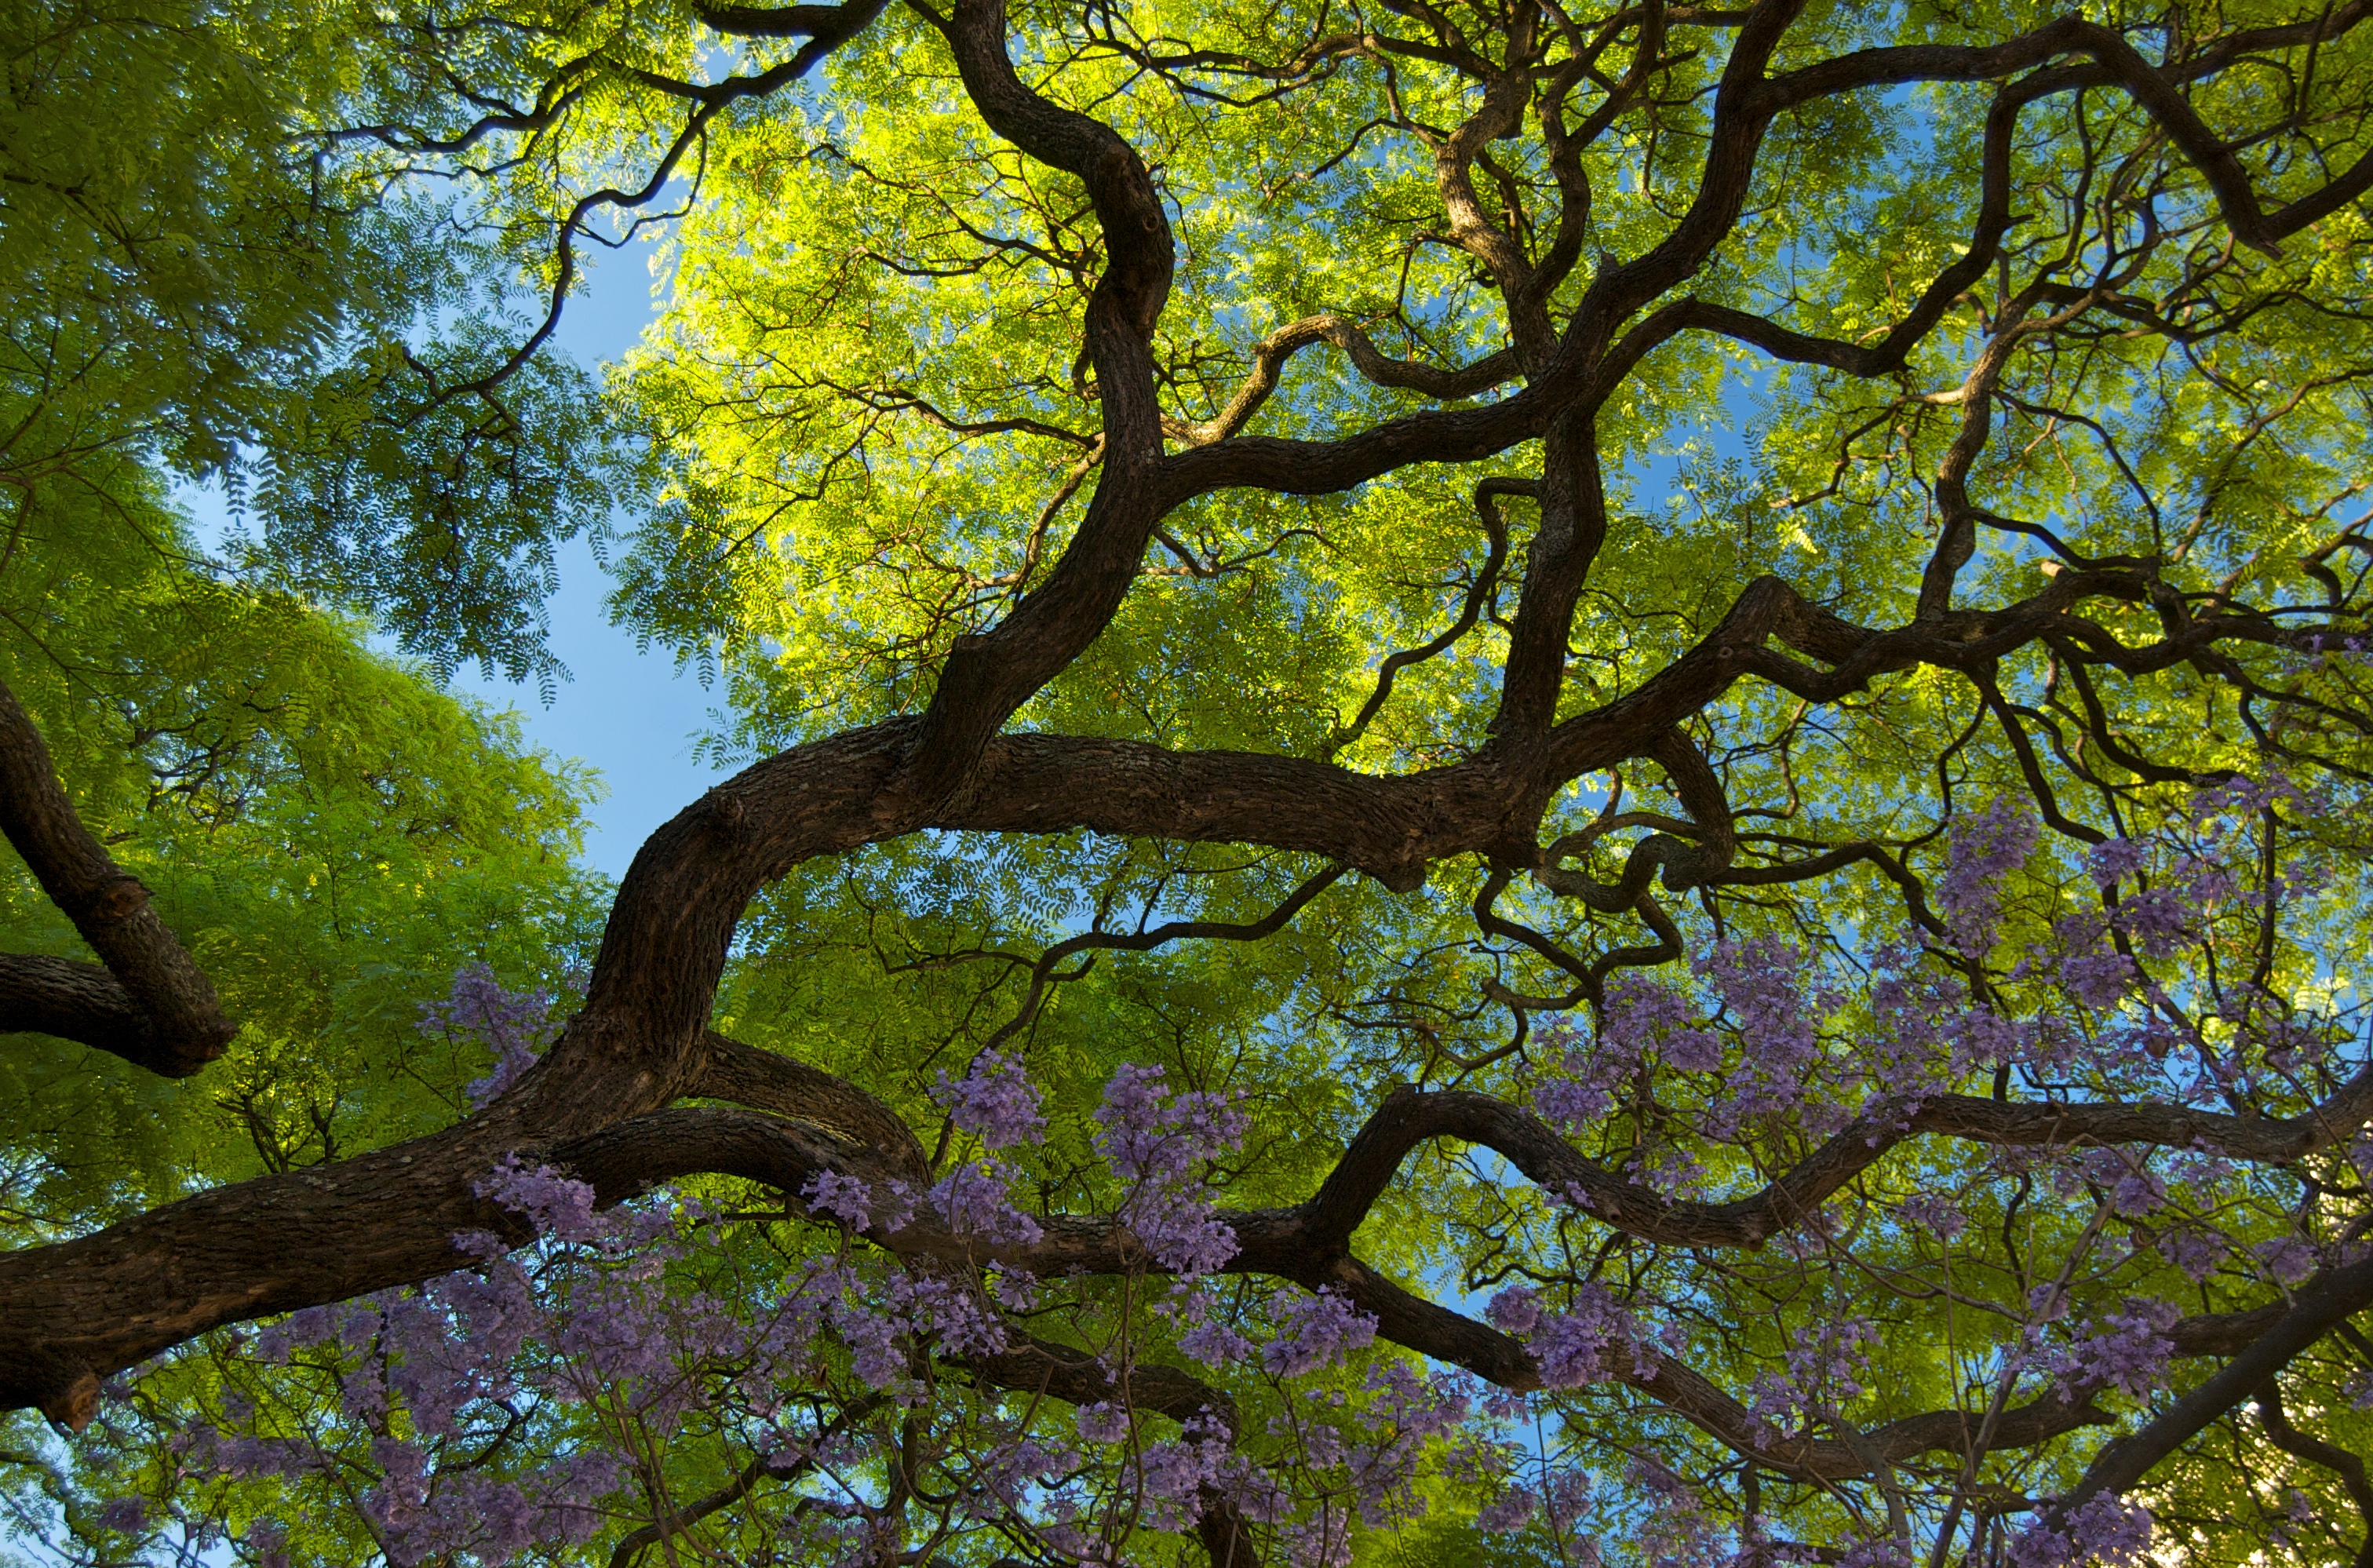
(1754, 617)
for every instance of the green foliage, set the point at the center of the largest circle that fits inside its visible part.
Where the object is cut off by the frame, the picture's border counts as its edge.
(329, 834)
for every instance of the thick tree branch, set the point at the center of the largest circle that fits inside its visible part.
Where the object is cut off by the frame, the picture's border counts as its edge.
(161, 1012)
(2326, 1301)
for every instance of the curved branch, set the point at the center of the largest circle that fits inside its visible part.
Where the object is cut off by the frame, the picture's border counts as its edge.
(2323, 1303)
(766, 1081)
(986, 678)
(81, 1002)
(1271, 352)
(160, 1011)
(2316, 1451)
(1479, 594)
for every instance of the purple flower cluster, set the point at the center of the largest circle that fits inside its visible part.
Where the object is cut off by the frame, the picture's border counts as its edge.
(1763, 988)
(2196, 1251)
(1316, 1331)
(1767, 1004)
(1158, 1142)
(973, 1199)
(1986, 849)
(2104, 1532)
(1822, 1372)
(1173, 1476)
(2286, 1260)
(419, 1517)
(1596, 1338)
(1207, 1334)
(994, 1100)
(1934, 1213)
(2096, 975)
(514, 1026)
(846, 1199)
(2126, 1350)
(1511, 1510)
(2135, 1190)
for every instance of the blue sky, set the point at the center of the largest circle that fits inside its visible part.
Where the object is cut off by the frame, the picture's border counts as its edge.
(629, 713)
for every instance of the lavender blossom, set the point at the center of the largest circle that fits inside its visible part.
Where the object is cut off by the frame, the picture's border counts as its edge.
(2126, 1350)
(973, 1200)
(2290, 1260)
(1315, 1331)
(994, 1100)
(1596, 1338)
(514, 1026)
(1986, 849)
(845, 1198)
(2108, 1531)
(1158, 1142)
(1822, 1372)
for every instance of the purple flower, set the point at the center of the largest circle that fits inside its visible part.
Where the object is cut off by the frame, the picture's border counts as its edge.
(973, 1199)
(2126, 1350)
(1934, 1213)
(2159, 920)
(1511, 1510)
(1825, 1365)
(1763, 987)
(129, 1515)
(2100, 978)
(2107, 1530)
(515, 1025)
(1316, 1331)
(1017, 1289)
(1214, 1343)
(2195, 1251)
(1208, 1338)
(1986, 849)
(1570, 1102)
(1580, 1345)
(845, 1198)
(2290, 1260)
(1181, 1469)
(1103, 1422)
(268, 1540)
(1884, 1552)
(1158, 1142)
(1513, 1310)
(2114, 860)
(995, 1100)
(557, 1207)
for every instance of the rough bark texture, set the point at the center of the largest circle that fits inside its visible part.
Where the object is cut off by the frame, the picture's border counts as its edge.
(151, 1004)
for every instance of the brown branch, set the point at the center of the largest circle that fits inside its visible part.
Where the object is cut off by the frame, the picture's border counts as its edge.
(986, 678)
(1479, 594)
(1271, 352)
(2348, 1467)
(77, 1002)
(768, 1081)
(2326, 1301)
(633, 1542)
(2159, 93)
(160, 1011)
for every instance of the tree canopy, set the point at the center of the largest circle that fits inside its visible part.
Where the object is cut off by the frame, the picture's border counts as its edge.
(1519, 784)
